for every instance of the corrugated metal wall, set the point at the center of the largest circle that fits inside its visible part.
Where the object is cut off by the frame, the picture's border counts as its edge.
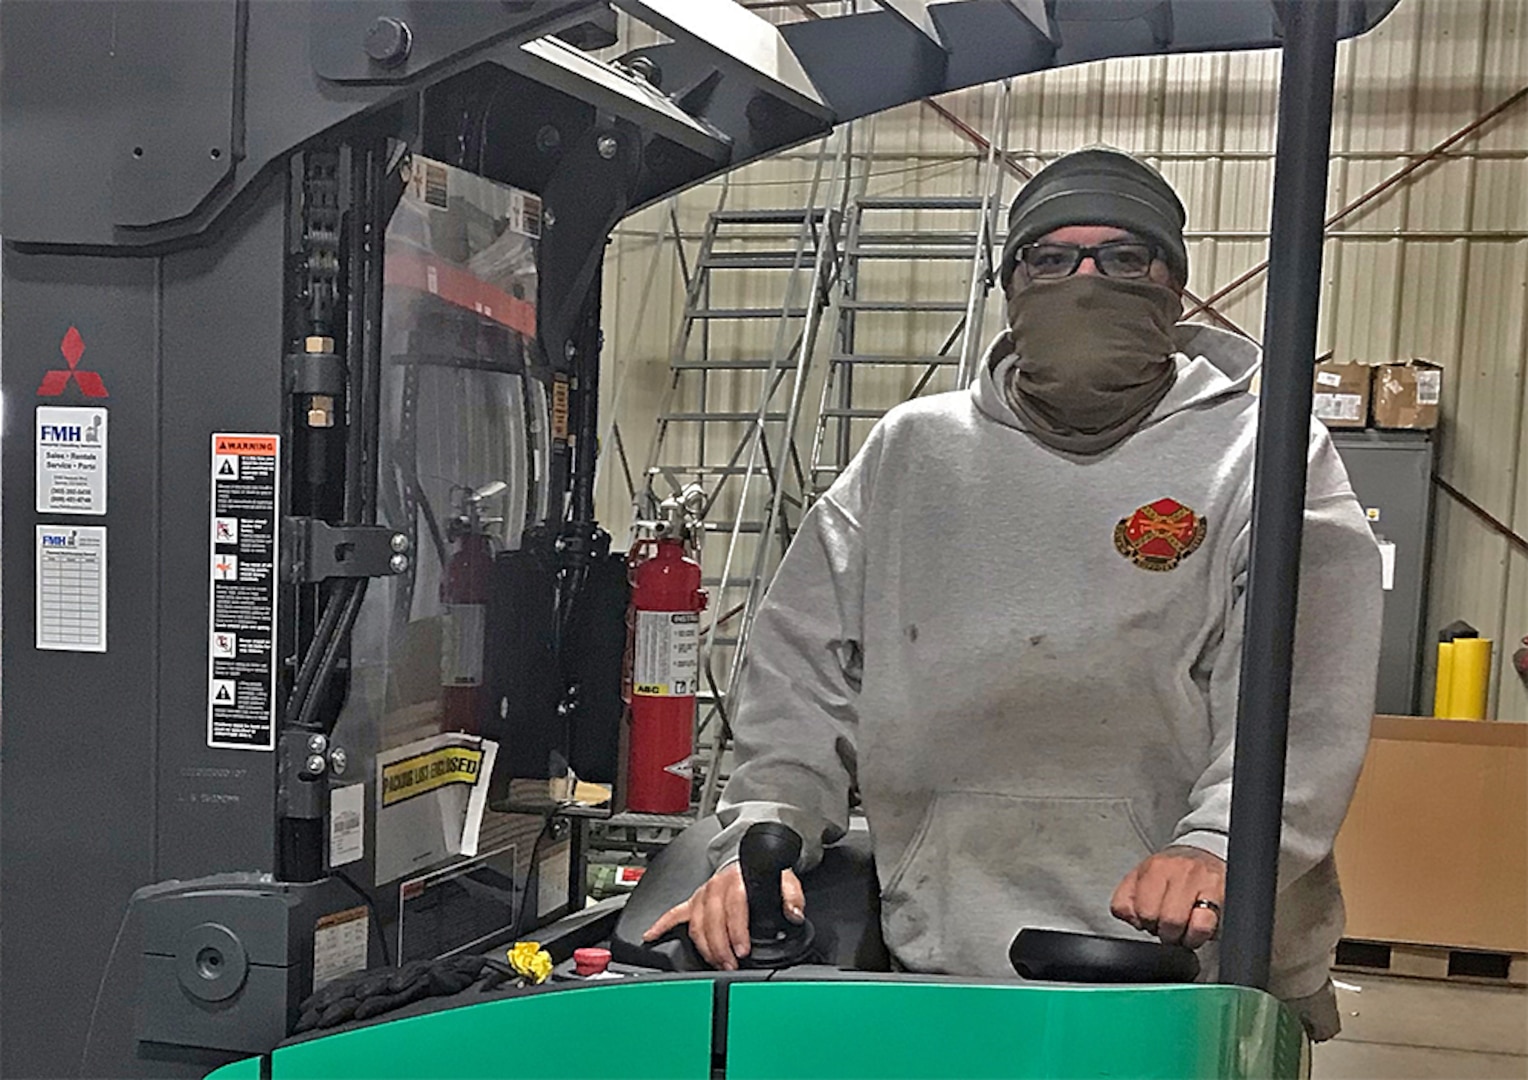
(1436, 266)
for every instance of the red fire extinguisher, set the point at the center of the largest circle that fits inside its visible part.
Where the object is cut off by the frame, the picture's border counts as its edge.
(464, 602)
(663, 641)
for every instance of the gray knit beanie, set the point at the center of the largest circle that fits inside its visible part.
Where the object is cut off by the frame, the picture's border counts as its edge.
(1098, 185)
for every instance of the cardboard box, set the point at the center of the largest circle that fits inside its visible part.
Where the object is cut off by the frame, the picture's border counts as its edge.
(1435, 848)
(1406, 395)
(1342, 394)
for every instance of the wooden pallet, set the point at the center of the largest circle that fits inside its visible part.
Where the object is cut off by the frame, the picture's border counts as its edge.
(1432, 962)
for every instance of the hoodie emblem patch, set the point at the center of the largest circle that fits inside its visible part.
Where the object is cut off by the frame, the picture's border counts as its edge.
(1159, 535)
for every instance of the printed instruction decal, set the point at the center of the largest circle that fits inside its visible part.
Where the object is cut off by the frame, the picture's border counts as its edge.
(241, 632)
(71, 460)
(339, 945)
(667, 654)
(71, 588)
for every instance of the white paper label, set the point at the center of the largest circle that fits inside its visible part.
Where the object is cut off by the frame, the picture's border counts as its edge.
(1328, 378)
(1337, 406)
(339, 945)
(525, 214)
(1429, 386)
(667, 653)
(461, 644)
(71, 588)
(1387, 564)
(347, 824)
(71, 460)
(552, 879)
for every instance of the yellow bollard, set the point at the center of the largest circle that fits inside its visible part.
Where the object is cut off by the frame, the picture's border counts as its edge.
(1470, 678)
(1445, 680)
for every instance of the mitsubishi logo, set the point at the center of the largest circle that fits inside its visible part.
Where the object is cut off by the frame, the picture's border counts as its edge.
(56, 382)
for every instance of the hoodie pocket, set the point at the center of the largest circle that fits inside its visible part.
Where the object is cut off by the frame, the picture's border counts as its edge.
(983, 866)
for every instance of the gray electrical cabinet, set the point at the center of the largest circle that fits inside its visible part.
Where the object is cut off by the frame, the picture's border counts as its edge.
(1391, 472)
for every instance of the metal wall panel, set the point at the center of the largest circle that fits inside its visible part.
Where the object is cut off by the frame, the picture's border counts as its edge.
(1435, 267)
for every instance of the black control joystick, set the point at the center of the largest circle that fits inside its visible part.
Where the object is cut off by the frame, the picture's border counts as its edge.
(768, 849)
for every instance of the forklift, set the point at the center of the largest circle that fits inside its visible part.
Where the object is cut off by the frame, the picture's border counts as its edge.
(313, 642)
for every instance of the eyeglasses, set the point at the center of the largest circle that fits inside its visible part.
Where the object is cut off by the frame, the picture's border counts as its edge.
(1118, 258)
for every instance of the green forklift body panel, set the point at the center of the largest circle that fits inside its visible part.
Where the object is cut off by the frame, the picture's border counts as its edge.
(636, 1029)
(248, 1069)
(842, 1028)
(947, 1030)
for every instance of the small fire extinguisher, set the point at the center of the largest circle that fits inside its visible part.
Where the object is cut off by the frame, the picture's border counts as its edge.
(464, 601)
(663, 643)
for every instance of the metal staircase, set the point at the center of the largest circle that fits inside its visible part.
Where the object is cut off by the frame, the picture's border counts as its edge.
(762, 285)
(892, 348)
(755, 304)
(917, 272)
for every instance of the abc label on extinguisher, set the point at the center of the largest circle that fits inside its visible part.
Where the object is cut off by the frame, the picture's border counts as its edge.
(461, 646)
(667, 652)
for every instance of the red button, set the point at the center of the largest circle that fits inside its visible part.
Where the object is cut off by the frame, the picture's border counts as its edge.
(591, 961)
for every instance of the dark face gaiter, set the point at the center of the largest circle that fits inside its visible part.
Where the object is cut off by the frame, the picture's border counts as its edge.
(1095, 357)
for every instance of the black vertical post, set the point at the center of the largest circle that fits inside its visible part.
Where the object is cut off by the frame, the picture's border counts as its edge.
(1278, 503)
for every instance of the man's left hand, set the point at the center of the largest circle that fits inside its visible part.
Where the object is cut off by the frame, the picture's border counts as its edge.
(1159, 896)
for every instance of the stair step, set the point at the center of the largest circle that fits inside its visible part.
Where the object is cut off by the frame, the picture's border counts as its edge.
(919, 238)
(918, 202)
(854, 304)
(855, 414)
(746, 313)
(728, 365)
(929, 253)
(762, 260)
(720, 417)
(633, 820)
(896, 361)
(768, 217)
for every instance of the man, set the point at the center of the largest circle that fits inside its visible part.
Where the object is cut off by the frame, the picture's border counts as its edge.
(1014, 627)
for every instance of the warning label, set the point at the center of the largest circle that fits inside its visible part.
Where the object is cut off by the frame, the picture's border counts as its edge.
(71, 460)
(241, 653)
(339, 945)
(424, 773)
(667, 656)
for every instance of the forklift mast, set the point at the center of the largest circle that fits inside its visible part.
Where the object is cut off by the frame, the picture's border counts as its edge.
(253, 460)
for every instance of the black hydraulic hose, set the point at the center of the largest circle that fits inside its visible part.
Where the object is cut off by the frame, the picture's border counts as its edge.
(307, 674)
(332, 634)
(1278, 496)
(378, 215)
(586, 426)
(347, 604)
(355, 261)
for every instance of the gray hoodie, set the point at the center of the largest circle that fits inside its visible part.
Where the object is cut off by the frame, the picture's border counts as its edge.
(1025, 662)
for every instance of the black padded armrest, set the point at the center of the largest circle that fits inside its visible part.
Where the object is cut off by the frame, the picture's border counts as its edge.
(1059, 956)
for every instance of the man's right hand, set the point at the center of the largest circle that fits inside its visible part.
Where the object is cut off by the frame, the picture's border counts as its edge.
(718, 915)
